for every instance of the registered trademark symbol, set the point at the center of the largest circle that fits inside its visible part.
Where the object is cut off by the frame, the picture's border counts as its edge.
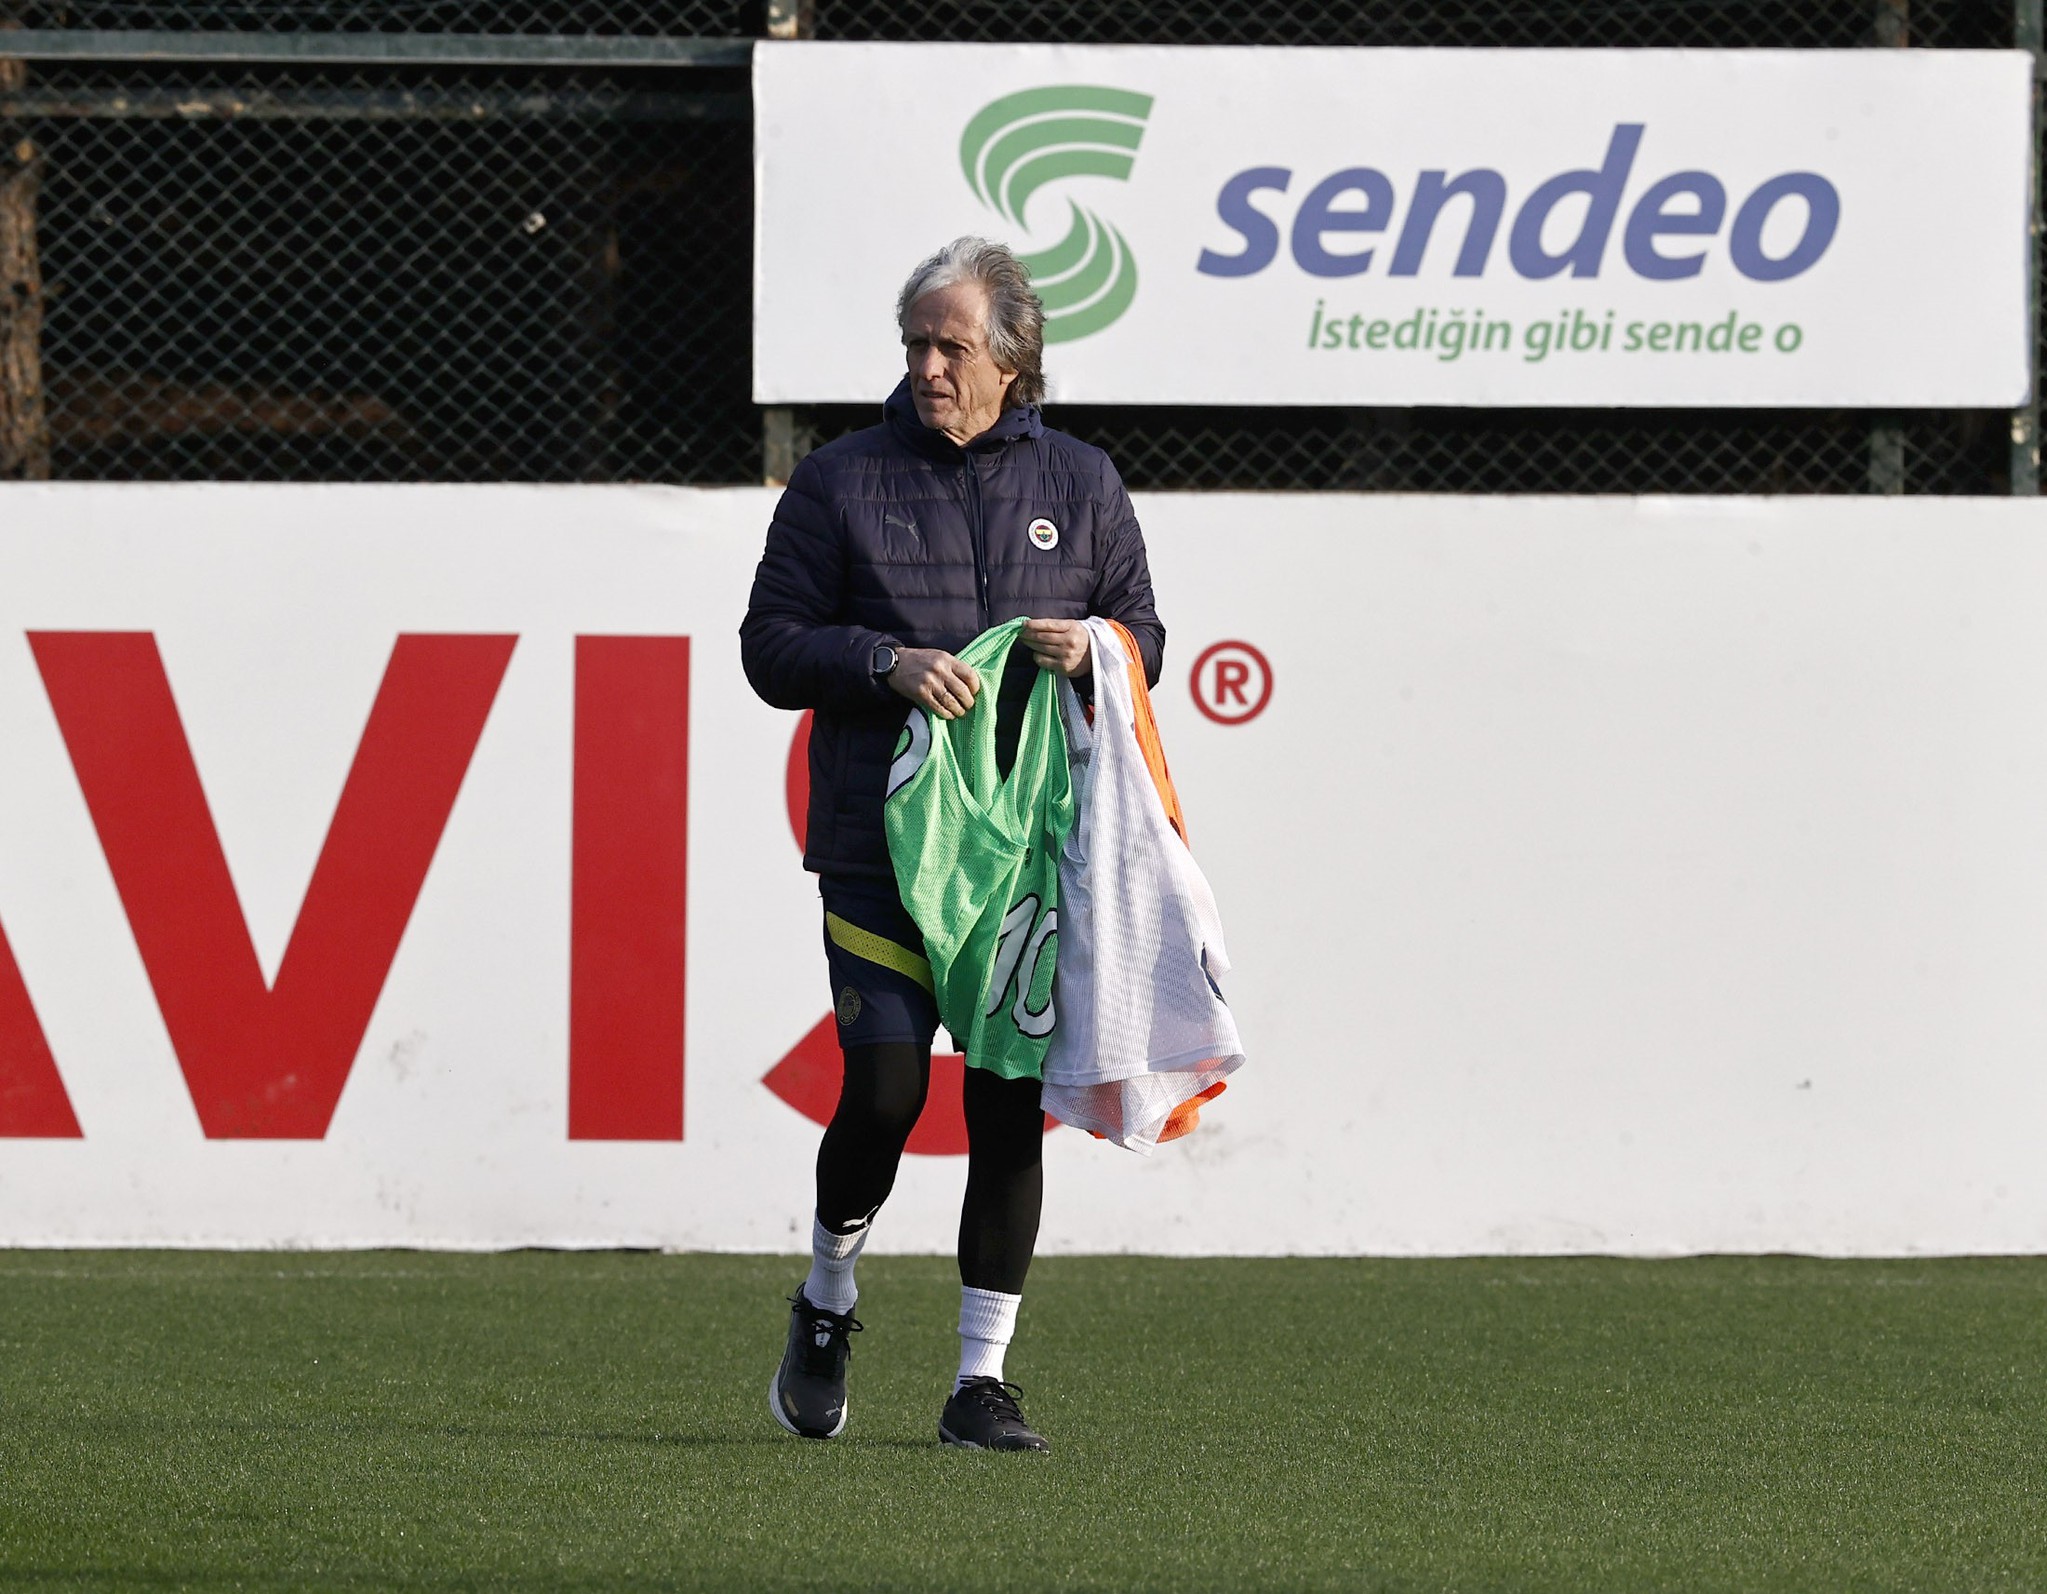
(1232, 683)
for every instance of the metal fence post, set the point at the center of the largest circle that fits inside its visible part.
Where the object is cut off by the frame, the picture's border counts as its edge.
(1892, 31)
(24, 415)
(780, 445)
(792, 19)
(782, 440)
(2025, 420)
(1886, 457)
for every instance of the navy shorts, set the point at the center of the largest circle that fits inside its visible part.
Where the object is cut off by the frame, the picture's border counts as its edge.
(881, 982)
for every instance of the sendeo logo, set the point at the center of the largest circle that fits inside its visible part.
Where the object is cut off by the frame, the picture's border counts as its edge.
(1016, 145)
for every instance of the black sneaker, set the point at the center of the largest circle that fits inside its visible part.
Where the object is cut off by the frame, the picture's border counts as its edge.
(983, 1415)
(808, 1396)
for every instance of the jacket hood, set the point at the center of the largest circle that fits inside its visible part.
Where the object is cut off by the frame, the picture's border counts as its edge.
(900, 412)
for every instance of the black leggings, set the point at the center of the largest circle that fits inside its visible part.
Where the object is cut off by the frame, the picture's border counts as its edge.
(878, 1106)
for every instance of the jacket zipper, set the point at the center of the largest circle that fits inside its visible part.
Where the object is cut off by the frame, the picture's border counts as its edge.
(975, 520)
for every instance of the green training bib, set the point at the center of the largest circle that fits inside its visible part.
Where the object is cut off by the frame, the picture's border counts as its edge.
(977, 861)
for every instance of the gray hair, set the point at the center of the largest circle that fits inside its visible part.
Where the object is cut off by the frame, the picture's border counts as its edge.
(1016, 318)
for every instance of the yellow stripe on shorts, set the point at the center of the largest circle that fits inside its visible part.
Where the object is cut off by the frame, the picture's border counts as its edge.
(877, 949)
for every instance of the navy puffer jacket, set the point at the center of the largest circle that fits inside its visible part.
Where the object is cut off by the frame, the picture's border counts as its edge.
(897, 535)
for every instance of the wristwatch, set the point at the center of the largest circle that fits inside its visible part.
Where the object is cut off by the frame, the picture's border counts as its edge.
(882, 662)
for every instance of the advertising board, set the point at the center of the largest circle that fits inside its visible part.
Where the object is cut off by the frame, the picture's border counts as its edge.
(1412, 227)
(413, 866)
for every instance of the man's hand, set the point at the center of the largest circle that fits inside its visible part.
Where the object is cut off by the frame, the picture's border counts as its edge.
(1059, 645)
(932, 678)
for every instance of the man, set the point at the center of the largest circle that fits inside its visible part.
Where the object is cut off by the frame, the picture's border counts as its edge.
(891, 549)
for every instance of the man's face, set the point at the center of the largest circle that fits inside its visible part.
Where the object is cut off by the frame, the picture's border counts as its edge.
(954, 381)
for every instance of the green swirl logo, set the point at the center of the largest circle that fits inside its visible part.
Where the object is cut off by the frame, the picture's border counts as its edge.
(1021, 142)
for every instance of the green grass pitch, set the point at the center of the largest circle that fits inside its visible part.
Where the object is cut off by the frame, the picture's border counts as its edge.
(598, 1421)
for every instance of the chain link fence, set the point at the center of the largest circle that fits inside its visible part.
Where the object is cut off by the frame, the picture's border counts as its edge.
(421, 271)
(654, 18)
(415, 276)
(1536, 24)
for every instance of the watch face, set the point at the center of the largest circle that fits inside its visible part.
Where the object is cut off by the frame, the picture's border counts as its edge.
(884, 659)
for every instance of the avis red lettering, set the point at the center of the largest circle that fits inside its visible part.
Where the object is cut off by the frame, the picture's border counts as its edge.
(269, 1061)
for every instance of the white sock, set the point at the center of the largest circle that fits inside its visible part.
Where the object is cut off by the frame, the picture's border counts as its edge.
(987, 1324)
(832, 1256)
